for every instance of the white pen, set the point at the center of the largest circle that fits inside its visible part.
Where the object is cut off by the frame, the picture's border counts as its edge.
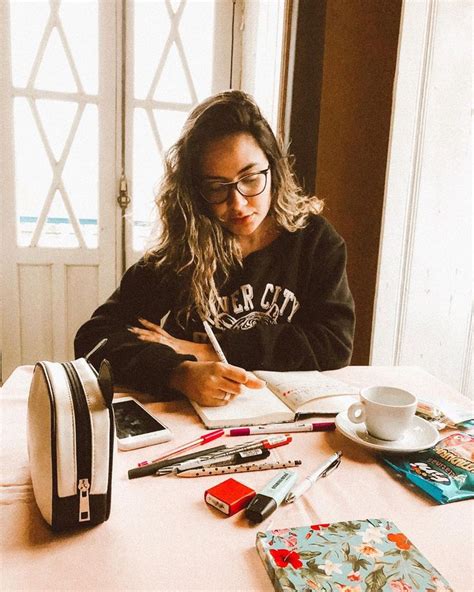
(322, 471)
(214, 342)
(282, 428)
(217, 349)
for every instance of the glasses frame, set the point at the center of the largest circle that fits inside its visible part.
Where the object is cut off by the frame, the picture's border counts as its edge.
(235, 185)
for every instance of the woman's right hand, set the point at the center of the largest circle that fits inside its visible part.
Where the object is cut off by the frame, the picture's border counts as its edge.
(207, 383)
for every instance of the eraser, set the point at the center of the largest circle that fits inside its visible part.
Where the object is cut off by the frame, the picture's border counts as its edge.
(229, 497)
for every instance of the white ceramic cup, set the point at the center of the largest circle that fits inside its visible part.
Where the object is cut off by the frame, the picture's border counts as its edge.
(387, 411)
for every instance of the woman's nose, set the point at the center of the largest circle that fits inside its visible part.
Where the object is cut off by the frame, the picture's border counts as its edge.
(235, 198)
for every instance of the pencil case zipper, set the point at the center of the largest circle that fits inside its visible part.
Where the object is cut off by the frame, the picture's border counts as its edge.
(83, 431)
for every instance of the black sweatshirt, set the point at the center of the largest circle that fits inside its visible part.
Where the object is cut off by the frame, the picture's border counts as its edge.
(288, 308)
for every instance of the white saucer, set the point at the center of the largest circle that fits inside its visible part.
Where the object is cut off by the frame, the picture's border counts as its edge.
(422, 435)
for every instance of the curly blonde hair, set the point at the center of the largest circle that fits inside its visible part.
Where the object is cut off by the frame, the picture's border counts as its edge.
(191, 246)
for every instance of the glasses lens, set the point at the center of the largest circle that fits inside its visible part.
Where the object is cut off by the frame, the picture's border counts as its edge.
(252, 184)
(214, 192)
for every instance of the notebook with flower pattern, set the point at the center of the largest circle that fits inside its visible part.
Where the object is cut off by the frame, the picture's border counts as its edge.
(362, 555)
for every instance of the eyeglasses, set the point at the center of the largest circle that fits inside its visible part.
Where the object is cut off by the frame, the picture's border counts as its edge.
(251, 185)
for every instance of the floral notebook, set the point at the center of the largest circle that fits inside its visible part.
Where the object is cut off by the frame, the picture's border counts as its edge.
(362, 555)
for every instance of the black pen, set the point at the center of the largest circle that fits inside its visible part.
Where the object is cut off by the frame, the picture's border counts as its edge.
(153, 467)
(215, 457)
(232, 459)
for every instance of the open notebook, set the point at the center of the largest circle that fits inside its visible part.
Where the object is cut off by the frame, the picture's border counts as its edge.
(288, 396)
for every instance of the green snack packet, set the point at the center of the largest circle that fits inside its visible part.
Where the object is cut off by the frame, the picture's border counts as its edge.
(445, 472)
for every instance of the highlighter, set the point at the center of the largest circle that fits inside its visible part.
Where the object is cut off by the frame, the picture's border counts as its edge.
(268, 500)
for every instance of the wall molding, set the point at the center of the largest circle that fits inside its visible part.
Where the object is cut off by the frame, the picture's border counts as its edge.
(423, 303)
(466, 381)
(410, 221)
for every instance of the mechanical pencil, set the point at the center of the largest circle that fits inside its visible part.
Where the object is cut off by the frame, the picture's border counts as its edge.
(232, 459)
(101, 343)
(204, 439)
(268, 443)
(277, 428)
(245, 468)
(153, 467)
(322, 471)
(272, 442)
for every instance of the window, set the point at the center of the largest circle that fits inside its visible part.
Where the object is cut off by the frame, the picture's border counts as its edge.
(174, 67)
(55, 122)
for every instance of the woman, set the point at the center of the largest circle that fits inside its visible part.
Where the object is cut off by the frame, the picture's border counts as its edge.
(241, 246)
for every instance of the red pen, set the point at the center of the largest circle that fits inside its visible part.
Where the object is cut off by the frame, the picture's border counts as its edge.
(269, 443)
(204, 439)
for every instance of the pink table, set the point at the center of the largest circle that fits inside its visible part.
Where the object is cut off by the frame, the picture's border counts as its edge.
(162, 536)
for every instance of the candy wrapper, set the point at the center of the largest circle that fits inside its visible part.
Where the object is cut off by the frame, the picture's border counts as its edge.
(453, 416)
(445, 472)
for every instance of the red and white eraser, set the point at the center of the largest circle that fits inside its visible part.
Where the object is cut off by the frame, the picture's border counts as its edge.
(229, 497)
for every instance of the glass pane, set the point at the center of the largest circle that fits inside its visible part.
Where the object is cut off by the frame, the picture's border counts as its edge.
(33, 173)
(151, 25)
(81, 175)
(80, 22)
(57, 118)
(267, 64)
(180, 63)
(55, 72)
(172, 85)
(76, 185)
(197, 35)
(175, 4)
(147, 171)
(28, 20)
(58, 230)
(169, 124)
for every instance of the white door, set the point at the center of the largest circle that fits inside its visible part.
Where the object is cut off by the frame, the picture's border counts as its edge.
(58, 181)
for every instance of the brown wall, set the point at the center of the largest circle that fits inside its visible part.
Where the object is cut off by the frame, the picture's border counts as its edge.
(354, 104)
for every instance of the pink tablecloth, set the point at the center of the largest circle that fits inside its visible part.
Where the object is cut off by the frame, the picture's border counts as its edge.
(162, 536)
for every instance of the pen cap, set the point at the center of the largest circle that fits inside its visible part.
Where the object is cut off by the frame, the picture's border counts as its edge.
(280, 485)
(267, 501)
(260, 508)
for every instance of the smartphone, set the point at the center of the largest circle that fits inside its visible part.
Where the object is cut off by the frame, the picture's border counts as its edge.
(135, 426)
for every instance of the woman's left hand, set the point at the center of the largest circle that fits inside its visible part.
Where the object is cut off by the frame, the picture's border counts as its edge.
(156, 334)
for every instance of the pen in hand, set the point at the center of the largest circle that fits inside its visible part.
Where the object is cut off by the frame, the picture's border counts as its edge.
(322, 471)
(214, 342)
(217, 348)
